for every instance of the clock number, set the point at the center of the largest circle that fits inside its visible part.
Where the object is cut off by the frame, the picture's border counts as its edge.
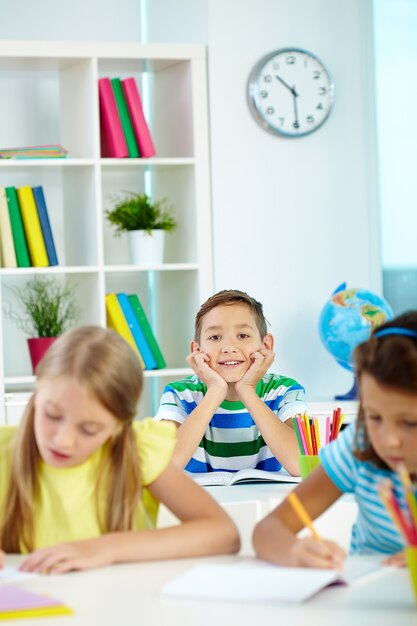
(263, 94)
(296, 124)
(281, 121)
(290, 60)
(322, 91)
(319, 106)
(310, 119)
(316, 75)
(270, 110)
(268, 78)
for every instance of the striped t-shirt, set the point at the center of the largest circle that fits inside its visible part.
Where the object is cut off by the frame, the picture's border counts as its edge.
(232, 440)
(373, 530)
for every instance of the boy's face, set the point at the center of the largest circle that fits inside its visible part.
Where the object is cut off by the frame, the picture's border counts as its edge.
(229, 335)
(391, 422)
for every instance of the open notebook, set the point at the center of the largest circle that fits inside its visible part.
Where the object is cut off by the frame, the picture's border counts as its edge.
(249, 475)
(17, 603)
(258, 581)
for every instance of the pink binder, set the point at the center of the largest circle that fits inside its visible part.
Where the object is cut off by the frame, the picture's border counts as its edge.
(140, 126)
(113, 143)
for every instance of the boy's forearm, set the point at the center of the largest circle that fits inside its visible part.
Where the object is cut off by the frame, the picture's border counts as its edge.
(191, 432)
(280, 438)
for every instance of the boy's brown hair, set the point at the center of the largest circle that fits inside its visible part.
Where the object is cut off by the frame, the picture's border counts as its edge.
(391, 360)
(230, 297)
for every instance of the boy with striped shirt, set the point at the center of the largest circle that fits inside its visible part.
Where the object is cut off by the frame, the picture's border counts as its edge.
(232, 414)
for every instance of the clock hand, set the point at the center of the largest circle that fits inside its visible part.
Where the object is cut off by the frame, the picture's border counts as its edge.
(292, 89)
(295, 96)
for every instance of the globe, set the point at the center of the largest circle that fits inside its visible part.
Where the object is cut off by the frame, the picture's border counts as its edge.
(347, 320)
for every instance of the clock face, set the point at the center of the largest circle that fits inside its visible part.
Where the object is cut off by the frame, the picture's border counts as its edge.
(290, 92)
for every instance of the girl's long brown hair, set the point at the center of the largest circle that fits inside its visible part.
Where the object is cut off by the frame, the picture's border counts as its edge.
(392, 361)
(107, 367)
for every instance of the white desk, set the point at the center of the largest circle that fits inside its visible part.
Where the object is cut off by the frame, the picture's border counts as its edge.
(247, 504)
(128, 595)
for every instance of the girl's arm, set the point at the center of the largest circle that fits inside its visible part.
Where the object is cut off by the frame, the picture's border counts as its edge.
(205, 530)
(275, 539)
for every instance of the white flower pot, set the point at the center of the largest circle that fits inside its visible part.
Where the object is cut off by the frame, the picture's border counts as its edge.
(146, 249)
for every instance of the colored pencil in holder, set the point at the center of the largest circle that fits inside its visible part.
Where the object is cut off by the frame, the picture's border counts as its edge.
(297, 433)
(387, 496)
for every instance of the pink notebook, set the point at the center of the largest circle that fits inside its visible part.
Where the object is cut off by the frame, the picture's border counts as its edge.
(140, 126)
(17, 599)
(113, 143)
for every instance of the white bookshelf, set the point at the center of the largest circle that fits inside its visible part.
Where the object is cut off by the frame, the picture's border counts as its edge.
(50, 95)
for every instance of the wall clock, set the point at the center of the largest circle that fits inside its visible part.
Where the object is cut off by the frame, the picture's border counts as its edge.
(290, 92)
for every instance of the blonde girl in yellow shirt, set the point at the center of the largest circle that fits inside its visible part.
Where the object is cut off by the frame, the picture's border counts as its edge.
(80, 480)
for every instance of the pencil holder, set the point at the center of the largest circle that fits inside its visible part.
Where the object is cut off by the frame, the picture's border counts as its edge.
(307, 463)
(411, 559)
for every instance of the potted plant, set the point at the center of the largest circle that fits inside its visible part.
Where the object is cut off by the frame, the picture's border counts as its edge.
(145, 222)
(50, 308)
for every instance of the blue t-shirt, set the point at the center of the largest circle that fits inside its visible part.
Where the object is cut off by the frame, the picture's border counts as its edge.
(374, 530)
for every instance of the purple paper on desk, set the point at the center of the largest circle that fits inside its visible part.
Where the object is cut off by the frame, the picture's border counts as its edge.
(16, 599)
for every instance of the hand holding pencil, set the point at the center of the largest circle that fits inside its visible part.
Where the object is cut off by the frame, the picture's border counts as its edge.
(313, 551)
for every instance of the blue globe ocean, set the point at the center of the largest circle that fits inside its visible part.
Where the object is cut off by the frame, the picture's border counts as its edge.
(348, 319)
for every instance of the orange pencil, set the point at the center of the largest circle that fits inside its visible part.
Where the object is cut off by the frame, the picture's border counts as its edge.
(307, 427)
(388, 498)
(409, 496)
(302, 514)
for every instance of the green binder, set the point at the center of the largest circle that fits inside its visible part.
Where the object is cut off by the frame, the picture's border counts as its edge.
(18, 231)
(128, 131)
(147, 330)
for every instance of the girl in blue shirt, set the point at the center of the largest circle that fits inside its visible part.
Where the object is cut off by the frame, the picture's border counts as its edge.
(384, 436)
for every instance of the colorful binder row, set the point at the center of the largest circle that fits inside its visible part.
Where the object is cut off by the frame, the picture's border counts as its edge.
(127, 317)
(26, 238)
(308, 432)
(124, 131)
(406, 522)
(54, 151)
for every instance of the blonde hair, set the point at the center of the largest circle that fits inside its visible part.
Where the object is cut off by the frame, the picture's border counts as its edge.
(103, 363)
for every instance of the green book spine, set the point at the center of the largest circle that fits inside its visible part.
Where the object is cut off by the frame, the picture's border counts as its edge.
(147, 330)
(18, 231)
(128, 131)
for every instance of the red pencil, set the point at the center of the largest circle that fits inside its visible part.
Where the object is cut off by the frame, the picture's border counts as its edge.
(313, 438)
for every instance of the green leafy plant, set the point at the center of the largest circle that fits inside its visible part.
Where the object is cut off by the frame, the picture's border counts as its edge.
(50, 307)
(138, 212)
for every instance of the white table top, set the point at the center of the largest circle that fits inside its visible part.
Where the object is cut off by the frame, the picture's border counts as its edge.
(129, 595)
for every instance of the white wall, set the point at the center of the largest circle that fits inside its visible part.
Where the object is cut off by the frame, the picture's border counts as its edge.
(292, 218)
(75, 20)
(396, 71)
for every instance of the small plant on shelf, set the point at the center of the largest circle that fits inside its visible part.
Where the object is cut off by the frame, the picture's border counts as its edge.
(50, 307)
(137, 211)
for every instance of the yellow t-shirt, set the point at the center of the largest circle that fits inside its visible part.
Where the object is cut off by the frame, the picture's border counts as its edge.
(65, 508)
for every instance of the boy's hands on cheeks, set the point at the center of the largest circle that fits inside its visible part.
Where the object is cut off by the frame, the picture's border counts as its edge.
(309, 552)
(67, 557)
(262, 360)
(200, 364)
